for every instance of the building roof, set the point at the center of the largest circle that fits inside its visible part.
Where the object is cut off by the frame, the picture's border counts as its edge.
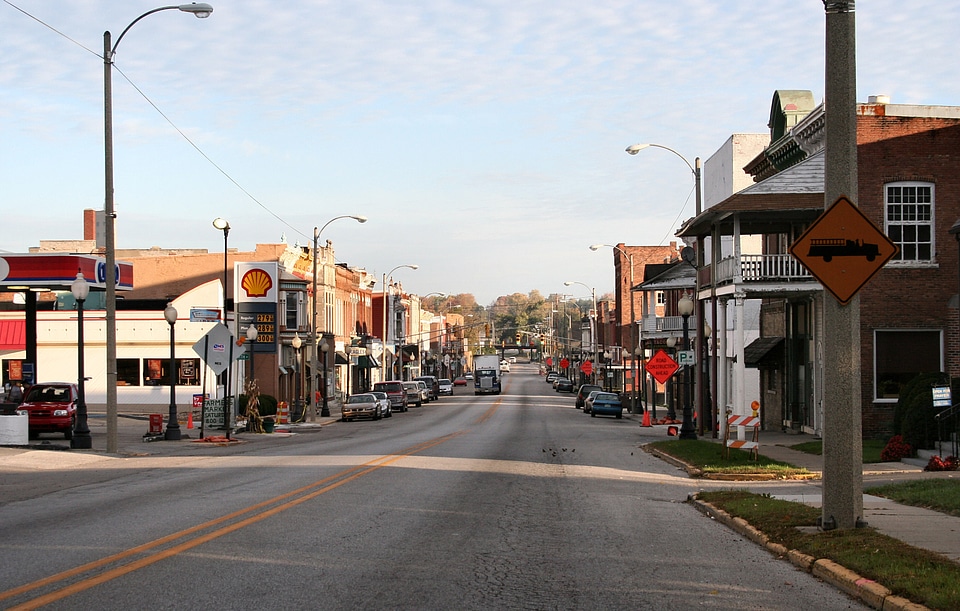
(795, 195)
(677, 275)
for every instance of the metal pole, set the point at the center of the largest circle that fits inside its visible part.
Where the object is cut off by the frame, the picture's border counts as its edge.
(173, 424)
(81, 439)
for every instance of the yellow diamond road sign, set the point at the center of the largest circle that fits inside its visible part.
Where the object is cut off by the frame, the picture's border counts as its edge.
(843, 249)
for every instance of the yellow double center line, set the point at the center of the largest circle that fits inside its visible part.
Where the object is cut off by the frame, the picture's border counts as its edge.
(274, 505)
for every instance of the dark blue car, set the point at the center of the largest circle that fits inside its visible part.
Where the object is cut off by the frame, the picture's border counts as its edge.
(606, 404)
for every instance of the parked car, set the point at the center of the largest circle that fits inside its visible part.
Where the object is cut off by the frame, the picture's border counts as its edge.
(446, 386)
(606, 404)
(385, 409)
(51, 408)
(433, 385)
(564, 385)
(460, 381)
(468, 377)
(396, 392)
(424, 391)
(588, 402)
(512, 359)
(364, 405)
(414, 396)
(552, 376)
(583, 391)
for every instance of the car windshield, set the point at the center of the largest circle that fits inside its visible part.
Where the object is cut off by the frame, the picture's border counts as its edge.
(48, 394)
(361, 399)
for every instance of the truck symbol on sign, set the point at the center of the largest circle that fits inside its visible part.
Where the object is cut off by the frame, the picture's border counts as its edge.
(828, 248)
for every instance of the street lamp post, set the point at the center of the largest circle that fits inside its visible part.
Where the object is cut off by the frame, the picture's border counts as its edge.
(593, 330)
(224, 226)
(200, 10)
(252, 334)
(687, 430)
(297, 343)
(80, 440)
(173, 424)
(325, 348)
(637, 353)
(383, 288)
(325, 410)
(634, 330)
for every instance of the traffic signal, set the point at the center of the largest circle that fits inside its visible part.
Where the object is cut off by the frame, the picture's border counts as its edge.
(518, 338)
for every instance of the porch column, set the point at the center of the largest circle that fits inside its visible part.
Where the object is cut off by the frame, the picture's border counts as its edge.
(722, 374)
(739, 408)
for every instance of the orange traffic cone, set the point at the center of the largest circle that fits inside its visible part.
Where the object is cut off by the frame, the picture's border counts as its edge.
(646, 418)
(189, 420)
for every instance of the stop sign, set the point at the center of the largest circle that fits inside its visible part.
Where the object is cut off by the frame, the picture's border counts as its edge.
(564, 363)
(549, 362)
(587, 367)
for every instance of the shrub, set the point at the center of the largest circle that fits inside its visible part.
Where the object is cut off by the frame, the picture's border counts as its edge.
(950, 463)
(914, 411)
(268, 405)
(896, 449)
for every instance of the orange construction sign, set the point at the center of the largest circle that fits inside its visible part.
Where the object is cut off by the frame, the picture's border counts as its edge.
(843, 249)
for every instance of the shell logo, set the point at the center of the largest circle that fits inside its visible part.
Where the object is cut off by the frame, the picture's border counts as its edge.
(256, 283)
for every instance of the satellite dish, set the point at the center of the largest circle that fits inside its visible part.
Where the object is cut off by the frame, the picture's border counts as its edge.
(689, 255)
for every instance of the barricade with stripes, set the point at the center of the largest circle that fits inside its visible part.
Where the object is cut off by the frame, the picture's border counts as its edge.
(752, 445)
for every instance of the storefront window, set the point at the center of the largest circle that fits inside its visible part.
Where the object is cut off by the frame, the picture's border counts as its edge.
(128, 372)
(156, 372)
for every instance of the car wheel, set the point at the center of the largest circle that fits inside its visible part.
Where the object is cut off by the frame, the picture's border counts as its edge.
(592, 415)
(68, 434)
(619, 416)
(390, 413)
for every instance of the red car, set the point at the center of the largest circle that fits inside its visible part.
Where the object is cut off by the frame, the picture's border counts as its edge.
(461, 381)
(52, 408)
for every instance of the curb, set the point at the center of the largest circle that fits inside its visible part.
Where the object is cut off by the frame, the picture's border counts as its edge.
(725, 477)
(842, 578)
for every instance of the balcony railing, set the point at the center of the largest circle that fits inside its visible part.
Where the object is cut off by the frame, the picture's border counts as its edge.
(759, 268)
(666, 324)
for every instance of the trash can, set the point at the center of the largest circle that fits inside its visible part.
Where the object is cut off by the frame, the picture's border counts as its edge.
(156, 424)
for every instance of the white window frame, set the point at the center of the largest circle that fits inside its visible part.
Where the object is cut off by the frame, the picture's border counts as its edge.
(907, 216)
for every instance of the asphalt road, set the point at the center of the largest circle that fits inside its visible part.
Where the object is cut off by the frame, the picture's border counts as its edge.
(517, 501)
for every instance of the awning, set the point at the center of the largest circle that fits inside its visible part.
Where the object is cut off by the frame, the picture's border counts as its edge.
(342, 359)
(13, 334)
(366, 361)
(763, 351)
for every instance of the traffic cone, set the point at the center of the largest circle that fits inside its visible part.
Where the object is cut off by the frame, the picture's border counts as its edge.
(646, 418)
(190, 420)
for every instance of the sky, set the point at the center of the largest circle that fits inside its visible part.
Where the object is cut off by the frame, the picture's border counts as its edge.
(484, 140)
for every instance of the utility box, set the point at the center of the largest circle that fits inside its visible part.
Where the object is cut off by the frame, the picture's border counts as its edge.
(156, 424)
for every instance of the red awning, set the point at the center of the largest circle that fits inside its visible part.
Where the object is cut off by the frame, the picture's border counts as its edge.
(13, 334)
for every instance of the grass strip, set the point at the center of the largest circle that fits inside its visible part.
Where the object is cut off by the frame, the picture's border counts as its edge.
(708, 457)
(872, 449)
(918, 575)
(939, 494)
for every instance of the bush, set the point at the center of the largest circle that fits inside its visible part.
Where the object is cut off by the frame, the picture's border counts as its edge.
(913, 415)
(896, 449)
(268, 405)
(950, 463)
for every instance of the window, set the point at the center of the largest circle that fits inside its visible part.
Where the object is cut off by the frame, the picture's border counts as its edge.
(157, 372)
(128, 372)
(910, 220)
(661, 298)
(892, 371)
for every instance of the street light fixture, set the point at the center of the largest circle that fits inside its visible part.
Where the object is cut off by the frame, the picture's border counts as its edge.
(173, 424)
(687, 430)
(252, 334)
(296, 343)
(325, 411)
(634, 328)
(224, 226)
(594, 345)
(383, 288)
(200, 10)
(80, 440)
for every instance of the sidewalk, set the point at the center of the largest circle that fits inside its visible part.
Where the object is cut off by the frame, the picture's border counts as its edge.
(922, 528)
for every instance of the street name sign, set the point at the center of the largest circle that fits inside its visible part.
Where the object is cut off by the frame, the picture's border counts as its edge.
(843, 249)
(661, 366)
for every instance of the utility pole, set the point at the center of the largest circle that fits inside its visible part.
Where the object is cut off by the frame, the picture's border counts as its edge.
(842, 427)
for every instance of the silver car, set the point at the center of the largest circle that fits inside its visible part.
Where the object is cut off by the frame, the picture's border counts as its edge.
(385, 410)
(364, 405)
(446, 387)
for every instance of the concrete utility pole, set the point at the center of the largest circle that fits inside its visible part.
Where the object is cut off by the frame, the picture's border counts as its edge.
(842, 445)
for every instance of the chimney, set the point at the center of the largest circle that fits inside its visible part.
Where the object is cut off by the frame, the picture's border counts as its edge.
(89, 224)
